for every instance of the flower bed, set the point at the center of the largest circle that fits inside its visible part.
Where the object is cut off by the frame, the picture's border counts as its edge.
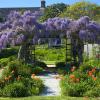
(81, 82)
(17, 80)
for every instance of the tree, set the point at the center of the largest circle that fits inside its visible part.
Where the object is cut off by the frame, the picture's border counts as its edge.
(80, 9)
(53, 11)
(20, 29)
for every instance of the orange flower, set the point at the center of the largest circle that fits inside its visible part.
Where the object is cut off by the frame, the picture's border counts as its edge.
(90, 73)
(33, 75)
(93, 70)
(72, 76)
(94, 78)
(73, 69)
(77, 80)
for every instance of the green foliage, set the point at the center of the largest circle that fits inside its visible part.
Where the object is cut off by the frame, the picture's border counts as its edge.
(41, 64)
(16, 68)
(76, 90)
(4, 62)
(37, 70)
(60, 64)
(8, 52)
(84, 82)
(51, 54)
(53, 11)
(85, 67)
(95, 92)
(80, 9)
(15, 90)
(93, 62)
(35, 86)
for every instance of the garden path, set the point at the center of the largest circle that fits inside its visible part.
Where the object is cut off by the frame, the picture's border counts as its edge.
(52, 84)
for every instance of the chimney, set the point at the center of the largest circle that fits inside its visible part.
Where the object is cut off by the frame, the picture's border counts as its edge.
(43, 4)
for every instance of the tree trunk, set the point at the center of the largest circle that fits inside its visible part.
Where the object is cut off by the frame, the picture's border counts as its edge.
(24, 53)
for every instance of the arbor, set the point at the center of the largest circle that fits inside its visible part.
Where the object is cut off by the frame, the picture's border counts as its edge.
(20, 29)
(53, 11)
(79, 31)
(83, 31)
(80, 9)
(24, 30)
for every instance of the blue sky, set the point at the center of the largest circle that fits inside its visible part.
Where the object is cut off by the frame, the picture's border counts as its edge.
(36, 3)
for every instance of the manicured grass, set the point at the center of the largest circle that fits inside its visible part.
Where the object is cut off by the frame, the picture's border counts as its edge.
(50, 62)
(50, 98)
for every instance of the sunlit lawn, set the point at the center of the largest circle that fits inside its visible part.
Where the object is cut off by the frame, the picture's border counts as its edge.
(51, 98)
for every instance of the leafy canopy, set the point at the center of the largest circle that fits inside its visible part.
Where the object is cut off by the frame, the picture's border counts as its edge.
(80, 9)
(53, 11)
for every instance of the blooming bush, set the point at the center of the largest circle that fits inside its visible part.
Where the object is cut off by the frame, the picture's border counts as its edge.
(81, 82)
(16, 78)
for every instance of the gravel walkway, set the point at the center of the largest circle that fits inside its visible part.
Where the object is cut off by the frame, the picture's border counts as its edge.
(52, 86)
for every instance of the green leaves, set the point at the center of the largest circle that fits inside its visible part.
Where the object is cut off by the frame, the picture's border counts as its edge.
(79, 9)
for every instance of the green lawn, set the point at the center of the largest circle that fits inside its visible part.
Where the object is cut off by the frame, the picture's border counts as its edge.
(50, 98)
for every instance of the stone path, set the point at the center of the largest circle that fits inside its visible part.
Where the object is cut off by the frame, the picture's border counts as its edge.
(51, 65)
(52, 85)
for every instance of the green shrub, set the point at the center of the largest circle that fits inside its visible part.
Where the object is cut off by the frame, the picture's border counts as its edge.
(37, 70)
(8, 52)
(85, 67)
(15, 90)
(35, 86)
(79, 83)
(4, 62)
(95, 92)
(15, 68)
(60, 64)
(61, 71)
(24, 70)
(11, 66)
(41, 64)
(77, 90)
